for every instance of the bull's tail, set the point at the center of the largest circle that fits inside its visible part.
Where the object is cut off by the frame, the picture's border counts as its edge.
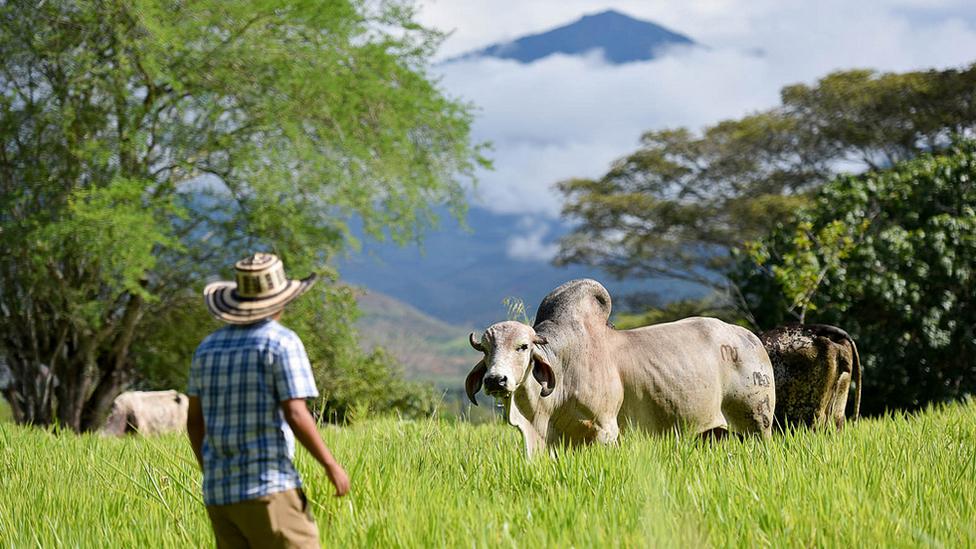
(857, 380)
(831, 332)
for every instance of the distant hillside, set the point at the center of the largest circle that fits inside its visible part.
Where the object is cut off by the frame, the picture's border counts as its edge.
(428, 349)
(463, 276)
(622, 39)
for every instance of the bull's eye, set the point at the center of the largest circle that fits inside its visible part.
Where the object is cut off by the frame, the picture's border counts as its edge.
(523, 347)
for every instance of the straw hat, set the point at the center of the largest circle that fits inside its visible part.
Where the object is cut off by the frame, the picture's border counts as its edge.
(261, 290)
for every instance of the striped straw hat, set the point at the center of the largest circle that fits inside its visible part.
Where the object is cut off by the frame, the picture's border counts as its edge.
(261, 290)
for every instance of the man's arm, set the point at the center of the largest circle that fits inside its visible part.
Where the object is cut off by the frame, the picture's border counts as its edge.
(195, 428)
(300, 420)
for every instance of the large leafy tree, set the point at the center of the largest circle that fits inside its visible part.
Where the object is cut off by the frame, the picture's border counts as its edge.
(906, 285)
(149, 143)
(680, 203)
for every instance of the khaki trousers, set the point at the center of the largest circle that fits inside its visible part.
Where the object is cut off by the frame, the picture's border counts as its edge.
(276, 520)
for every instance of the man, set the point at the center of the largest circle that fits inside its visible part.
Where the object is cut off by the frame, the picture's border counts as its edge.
(248, 384)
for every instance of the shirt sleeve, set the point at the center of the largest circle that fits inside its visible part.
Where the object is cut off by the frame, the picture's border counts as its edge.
(293, 372)
(193, 380)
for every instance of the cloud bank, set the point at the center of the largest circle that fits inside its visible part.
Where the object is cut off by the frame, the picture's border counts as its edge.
(531, 245)
(565, 117)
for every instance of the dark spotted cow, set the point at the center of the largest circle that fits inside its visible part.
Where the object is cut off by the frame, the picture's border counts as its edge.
(813, 367)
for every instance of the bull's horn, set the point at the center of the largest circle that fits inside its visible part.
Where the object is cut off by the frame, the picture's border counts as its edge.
(477, 345)
(540, 340)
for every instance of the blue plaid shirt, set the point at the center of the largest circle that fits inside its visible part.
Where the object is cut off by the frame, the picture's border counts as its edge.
(241, 374)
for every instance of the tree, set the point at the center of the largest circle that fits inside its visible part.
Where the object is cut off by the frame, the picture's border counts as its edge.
(676, 207)
(148, 144)
(906, 291)
(672, 208)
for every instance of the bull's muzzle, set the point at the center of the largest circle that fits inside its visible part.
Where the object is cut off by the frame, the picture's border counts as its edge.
(496, 385)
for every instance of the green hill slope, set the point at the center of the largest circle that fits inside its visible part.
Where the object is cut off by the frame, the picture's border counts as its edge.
(428, 349)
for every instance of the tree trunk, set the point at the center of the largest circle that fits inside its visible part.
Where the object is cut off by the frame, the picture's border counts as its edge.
(15, 407)
(29, 395)
(73, 388)
(77, 406)
(97, 408)
(87, 371)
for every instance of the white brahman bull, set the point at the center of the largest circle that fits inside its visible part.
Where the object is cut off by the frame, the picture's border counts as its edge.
(589, 381)
(147, 413)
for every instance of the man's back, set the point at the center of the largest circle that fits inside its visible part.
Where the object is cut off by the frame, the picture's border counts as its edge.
(247, 389)
(241, 374)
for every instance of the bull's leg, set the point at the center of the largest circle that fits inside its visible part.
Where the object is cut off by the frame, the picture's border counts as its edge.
(534, 446)
(715, 434)
(607, 430)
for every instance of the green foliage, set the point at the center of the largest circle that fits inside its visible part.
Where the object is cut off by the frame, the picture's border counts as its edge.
(163, 359)
(881, 119)
(149, 144)
(675, 310)
(812, 256)
(903, 480)
(113, 228)
(673, 207)
(678, 205)
(905, 290)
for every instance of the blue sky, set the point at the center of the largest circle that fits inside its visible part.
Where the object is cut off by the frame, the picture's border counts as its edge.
(565, 117)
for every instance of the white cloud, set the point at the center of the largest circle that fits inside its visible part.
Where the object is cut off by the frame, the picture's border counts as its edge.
(531, 245)
(566, 116)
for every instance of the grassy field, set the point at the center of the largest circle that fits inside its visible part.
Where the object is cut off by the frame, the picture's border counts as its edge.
(902, 481)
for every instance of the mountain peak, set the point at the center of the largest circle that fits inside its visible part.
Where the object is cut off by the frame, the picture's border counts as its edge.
(607, 14)
(621, 38)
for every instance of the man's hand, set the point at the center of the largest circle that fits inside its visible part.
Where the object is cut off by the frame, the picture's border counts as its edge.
(301, 422)
(339, 479)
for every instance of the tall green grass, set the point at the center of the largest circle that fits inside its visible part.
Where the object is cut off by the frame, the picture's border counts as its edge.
(5, 413)
(901, 481)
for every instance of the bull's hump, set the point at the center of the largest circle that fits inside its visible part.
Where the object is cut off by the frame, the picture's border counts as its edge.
(580, 297)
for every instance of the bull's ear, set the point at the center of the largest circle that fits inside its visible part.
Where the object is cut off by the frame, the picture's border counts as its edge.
(473, 382)
(542, 372)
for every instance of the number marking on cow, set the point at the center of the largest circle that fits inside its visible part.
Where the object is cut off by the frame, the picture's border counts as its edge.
(760, 379)
(730, 353)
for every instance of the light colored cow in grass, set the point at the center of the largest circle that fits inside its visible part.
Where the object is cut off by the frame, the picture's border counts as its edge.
(147, 413)
(573, 379)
